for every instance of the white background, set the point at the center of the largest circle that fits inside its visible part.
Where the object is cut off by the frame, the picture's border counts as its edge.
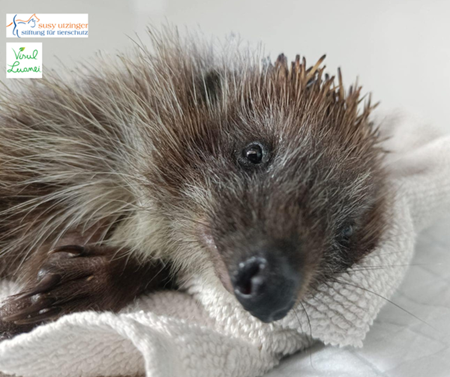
(400, 49)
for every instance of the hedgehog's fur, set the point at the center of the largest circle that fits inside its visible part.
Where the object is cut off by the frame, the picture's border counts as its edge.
(146, 147)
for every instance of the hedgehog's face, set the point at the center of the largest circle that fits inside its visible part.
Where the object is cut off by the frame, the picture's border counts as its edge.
(287, 211)
(284, 191)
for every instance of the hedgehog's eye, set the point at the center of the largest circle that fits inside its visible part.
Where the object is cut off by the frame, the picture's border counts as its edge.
(346, 233)
(253, 154)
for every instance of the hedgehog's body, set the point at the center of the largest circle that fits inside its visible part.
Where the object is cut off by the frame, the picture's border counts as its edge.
(186, 158)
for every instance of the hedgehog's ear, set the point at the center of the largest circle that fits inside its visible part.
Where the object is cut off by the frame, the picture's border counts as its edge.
(210, 86)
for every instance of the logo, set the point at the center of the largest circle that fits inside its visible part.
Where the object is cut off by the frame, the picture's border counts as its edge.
(23, 60)
(47, 26)
(18, 24)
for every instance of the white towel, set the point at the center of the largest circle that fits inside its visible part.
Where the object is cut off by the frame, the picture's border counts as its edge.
(205, 332)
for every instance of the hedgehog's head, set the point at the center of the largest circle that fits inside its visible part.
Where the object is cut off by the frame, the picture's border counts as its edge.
(277, 175)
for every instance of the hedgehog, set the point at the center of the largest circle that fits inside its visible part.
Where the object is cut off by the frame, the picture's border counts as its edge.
(121, 177)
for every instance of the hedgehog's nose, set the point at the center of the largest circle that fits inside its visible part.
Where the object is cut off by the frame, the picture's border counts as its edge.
(266, 286)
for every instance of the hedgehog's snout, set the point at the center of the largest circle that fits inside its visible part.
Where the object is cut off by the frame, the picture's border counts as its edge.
(266, 284)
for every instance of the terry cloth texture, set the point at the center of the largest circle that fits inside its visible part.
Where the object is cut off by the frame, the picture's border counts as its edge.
(203, 331)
